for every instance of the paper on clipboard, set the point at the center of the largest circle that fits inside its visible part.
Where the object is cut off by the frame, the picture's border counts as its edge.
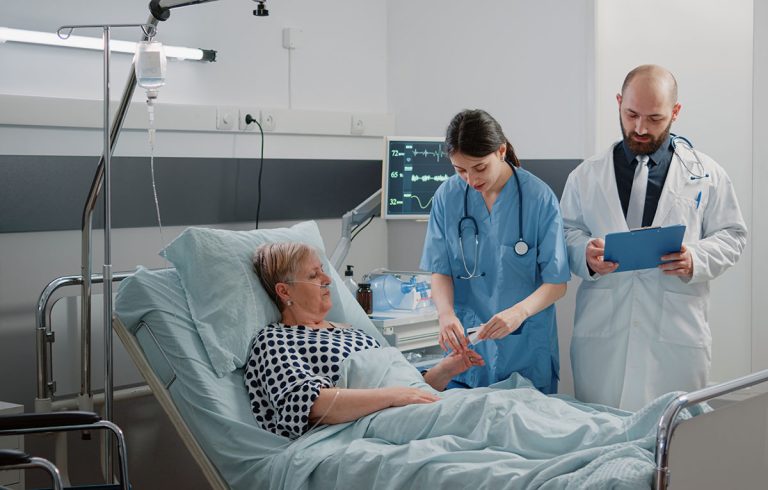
(643, 248)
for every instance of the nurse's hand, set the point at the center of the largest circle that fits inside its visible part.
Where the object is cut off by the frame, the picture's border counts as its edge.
(452, 334)
(596, 262)
(503, 323)
(678, 264)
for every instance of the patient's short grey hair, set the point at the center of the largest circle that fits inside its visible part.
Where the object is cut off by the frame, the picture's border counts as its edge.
(279, 262)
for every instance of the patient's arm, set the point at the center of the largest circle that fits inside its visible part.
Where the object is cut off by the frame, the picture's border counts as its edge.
(351, 404)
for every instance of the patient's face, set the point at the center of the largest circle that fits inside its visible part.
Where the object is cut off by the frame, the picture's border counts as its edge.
(307, 293)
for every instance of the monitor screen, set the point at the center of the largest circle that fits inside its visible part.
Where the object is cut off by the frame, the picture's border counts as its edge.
(413, 170)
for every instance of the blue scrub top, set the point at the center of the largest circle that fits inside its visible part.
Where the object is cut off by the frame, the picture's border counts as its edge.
(508, 278)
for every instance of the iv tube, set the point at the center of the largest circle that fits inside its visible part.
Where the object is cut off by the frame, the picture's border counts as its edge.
(149, 65)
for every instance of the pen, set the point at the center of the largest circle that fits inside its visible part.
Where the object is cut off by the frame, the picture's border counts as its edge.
(698, 200)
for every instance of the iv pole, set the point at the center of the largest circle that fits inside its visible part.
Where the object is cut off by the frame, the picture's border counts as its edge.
(64, 32)
(160, 11)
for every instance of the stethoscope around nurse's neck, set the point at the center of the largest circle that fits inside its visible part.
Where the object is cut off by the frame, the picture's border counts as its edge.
(521, 247)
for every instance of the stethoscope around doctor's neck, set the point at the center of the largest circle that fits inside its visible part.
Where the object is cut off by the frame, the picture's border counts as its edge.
(696, 171)
(521, 247)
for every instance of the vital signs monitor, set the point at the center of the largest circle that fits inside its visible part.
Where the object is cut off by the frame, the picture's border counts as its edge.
(413, 170)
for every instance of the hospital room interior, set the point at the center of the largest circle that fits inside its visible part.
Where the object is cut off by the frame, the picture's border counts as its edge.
(296, 115)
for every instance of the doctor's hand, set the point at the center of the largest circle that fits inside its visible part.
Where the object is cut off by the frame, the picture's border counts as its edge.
(595, 258)
(678, 264)
(452, 334)
(503, 323)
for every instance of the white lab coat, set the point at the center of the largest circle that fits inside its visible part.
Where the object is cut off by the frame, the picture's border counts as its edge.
(640, 334)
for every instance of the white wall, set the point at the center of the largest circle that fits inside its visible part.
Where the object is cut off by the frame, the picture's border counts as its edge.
(712, 61)
(339, 66)
(526, 63)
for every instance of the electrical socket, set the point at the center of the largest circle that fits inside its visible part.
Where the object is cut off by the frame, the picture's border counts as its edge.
(226, 117)
(358, 125)
(268, 122)
(255, 113)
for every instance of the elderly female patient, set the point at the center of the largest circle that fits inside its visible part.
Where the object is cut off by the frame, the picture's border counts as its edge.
(294, 364)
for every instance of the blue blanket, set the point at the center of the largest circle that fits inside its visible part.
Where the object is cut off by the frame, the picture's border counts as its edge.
(506, 436)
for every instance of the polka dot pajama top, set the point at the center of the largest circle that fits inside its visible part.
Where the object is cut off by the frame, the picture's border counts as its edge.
(287, 366)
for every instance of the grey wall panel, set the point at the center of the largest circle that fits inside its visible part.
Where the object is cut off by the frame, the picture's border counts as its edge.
(46, 193)
(553, 172)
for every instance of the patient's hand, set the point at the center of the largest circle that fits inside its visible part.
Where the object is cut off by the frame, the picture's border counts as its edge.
(401, 396)
(455, 363)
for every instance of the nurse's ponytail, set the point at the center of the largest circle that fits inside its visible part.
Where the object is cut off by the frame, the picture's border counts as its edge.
(511, 155)
(475, 133)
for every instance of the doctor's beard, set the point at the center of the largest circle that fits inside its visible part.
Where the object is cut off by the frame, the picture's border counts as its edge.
(647, 148)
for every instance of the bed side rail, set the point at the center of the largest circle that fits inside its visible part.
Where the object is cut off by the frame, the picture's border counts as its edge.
(46, 386)
(668, 420)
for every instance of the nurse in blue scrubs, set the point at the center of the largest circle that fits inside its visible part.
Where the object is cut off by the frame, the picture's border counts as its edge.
(496, 250)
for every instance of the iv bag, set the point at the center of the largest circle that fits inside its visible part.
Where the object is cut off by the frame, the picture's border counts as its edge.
(149, 65)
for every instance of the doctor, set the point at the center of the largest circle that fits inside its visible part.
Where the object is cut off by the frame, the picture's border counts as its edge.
(640, 334)
(496, 250)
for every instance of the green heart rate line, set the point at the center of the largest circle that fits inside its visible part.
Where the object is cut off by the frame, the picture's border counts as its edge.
(438, 154)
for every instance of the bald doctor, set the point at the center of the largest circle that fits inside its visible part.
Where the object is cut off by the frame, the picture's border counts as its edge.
(639, 334)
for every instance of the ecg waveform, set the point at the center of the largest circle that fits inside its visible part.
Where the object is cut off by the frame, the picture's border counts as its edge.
(437, 154)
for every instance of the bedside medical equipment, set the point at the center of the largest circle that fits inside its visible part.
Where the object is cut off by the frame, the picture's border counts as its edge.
(349, 280)
(412, 170)
(392, 292)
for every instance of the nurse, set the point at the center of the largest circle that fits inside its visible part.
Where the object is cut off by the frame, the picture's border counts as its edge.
(497, 253)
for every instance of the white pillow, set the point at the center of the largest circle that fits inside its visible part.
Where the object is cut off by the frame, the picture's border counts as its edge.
(226, 299)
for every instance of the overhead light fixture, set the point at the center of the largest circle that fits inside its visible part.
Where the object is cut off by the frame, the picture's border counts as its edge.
(51, 39)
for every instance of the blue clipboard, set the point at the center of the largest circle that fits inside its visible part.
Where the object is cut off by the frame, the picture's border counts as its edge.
(643, 248)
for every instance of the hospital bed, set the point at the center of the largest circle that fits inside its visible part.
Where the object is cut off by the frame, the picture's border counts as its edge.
(211, 410)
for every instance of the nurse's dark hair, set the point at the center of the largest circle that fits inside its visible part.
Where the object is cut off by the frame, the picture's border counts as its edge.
(475, 133)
